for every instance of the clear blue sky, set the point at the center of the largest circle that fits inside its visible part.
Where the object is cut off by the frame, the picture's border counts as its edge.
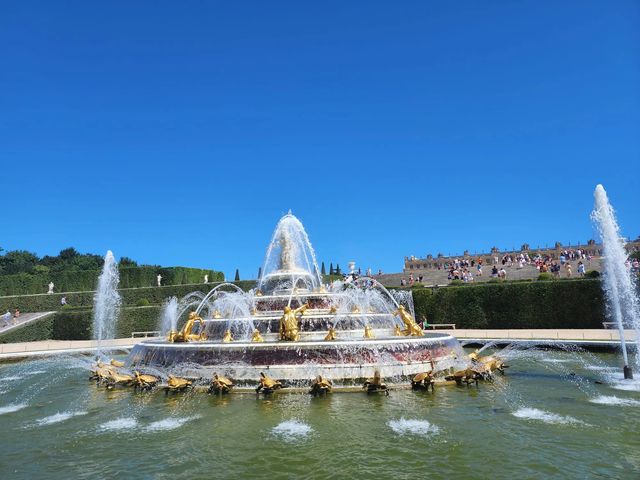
(177, 133)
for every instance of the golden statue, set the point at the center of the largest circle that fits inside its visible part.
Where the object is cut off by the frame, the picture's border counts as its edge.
(355, 309)
(289, 329)
(253, 311)
(216, 314)
(333, 309)
(331, 334)
(220, 384)
(397, 332)
(412, 328)
(185, 334)
(117, 363)
(258, 293)
(227, 338)
(267, 384)
(320, 386)
(368, 332)
(256, 337)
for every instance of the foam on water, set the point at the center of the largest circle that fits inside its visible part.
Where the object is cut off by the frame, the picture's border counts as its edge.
(613, 400)
(119, 424)
(58, 417)
(528, 413)
(10, 378)
(627, 385)
(405, 426)
(14, 407)
(169, 424)
(291, 430)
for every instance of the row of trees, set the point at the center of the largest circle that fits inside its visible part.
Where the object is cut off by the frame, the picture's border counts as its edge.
(68, 260)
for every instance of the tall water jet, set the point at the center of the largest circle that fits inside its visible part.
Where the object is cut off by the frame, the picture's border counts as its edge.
(618, 285)
(106, 303)
(290, 260)
(169, 317)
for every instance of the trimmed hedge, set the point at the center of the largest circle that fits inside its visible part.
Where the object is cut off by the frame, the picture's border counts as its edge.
(41, 329)
(551, 304)
(77, 325)
(130, 297)
(85, 280)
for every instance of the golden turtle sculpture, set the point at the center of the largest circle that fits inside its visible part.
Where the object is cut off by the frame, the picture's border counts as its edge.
(267, 384)
(468, 376)
(117, 379)
(423, 381)
(177, 384)
(220, 384)
(375, 384)
(320, 386)
(144, 381)
(487, 365)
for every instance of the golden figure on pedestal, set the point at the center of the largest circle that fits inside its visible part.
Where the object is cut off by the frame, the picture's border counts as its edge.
(185, 334)
(368, 332)
(331, 334)
(412, 328)
(227, 338)
(256, 337)
(289, 328)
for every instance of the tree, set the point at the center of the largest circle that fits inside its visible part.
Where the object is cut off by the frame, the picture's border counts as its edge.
(259, 272)
(127, 262)
(18, 261)
(322, 270)
(68, 254)
(331, 268)
(237, 278)
(338, 269)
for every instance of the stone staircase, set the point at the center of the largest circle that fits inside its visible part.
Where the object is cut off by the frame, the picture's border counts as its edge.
(439, 277)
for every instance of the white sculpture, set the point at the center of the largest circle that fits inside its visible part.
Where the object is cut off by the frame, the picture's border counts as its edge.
(51, 285)
(159, 277)
(206, 278)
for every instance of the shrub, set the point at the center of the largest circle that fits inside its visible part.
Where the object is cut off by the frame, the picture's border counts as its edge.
(143, 302)
(545, 276)
(592, 274)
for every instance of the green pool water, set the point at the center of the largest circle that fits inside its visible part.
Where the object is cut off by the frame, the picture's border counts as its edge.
(547, 418)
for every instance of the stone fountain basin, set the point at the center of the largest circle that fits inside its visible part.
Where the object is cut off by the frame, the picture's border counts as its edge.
(339, 360)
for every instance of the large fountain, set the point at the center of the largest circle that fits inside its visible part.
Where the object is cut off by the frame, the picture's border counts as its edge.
(294, 327)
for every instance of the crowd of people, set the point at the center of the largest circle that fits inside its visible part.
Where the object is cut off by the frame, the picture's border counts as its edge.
(564, 265)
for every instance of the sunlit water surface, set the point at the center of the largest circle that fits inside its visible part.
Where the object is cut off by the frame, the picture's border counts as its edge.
(546, 419)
